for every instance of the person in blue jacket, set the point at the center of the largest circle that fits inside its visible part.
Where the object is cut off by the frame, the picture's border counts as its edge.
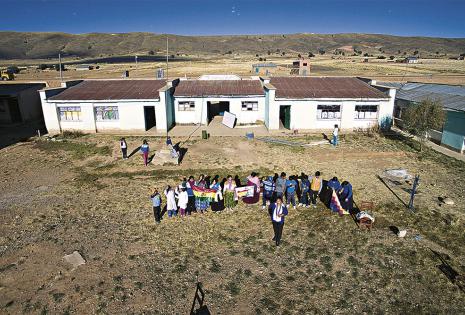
(345, 196)
(334, 184)
(269, 188)
(278, 211)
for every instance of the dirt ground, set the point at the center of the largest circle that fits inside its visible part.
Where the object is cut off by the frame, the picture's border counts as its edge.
(77, 194)
(427, 70)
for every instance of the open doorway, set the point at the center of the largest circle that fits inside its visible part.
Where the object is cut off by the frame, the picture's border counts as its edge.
(149, 115)
(216, 109)
(285, 116)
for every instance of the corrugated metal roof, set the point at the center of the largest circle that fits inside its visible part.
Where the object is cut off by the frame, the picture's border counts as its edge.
(450, 96)
(219, 88)
(112, 90)
(326, 87)
(12, 89)
(265, 65)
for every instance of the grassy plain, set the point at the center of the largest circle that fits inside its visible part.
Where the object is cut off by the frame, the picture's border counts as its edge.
(57, 197)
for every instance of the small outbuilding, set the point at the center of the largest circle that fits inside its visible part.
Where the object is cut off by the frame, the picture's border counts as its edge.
(452, 98)
(20, 103)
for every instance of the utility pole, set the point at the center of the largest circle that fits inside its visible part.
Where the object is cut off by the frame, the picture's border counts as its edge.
(59, 65)
(167, 58)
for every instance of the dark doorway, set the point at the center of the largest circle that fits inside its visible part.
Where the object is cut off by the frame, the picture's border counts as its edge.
(285, 116)
(149, 114)
(216, 109)
(13, 108)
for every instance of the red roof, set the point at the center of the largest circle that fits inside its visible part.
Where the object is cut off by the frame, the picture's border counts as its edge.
(327, 87)
(112, 90)
(219, 88)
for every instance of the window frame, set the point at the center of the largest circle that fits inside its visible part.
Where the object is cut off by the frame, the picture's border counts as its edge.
(358, 113)
(101, 118)
(327, 109)
(63, 110)
(254, 107)
(182, 106)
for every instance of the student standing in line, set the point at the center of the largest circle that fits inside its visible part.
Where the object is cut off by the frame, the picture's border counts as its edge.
(305, 188)
(229, 192)
(171, 207)
(156, 202)
(334, 184)
(217, 204)
(315, 188)
(346, 196)
(335, 135)
(201, 204)
(278, 212)
(144, 148)
(268, 190)
(190, 195)
(281, 185)
(291, 185)
(124, 148)
(183, 199)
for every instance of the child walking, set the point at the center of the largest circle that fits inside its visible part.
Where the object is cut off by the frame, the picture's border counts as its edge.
(144, 148)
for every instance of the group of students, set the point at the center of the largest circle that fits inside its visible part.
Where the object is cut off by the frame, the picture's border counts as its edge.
(145, 149)
(278, 192)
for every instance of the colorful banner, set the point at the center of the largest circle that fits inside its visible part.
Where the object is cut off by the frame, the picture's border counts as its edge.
(246, 191)
(335, 205)
(204, 193)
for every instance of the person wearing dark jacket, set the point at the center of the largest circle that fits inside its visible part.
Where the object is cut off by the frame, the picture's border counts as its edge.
(278, 211)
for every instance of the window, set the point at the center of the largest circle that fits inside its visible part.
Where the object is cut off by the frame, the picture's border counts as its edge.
(105, 113)
(70, 113)
(328, 112)
(366, 112)
(186, 106)
(250, 106)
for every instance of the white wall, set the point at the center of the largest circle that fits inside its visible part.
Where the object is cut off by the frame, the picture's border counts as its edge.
(235, 107)
(304, 113)
(131, 115)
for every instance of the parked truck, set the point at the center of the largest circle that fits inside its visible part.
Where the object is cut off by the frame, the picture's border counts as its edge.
(7, 75)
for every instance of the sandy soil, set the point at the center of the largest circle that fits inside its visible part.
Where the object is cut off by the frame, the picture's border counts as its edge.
(57, 197)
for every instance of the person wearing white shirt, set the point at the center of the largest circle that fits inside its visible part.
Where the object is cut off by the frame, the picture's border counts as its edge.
(170, 202)
(335, 135)
(183, 199)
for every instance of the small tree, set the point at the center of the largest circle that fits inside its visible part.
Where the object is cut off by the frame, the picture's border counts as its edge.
(419, 118)
(151, 53)
(310, 55)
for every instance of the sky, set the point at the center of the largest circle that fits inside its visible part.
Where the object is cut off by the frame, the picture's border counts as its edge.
(438, 18)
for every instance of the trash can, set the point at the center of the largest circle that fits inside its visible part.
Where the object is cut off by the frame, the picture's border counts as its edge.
(204, 134)
(249, 135)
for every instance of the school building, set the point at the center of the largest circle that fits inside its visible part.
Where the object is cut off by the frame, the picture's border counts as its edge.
(451, 97)
(306, 103)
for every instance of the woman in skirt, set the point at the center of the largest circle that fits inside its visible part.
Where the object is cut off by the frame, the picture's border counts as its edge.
(229, 192)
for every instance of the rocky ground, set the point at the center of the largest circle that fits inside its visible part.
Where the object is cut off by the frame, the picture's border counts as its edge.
(77, 194)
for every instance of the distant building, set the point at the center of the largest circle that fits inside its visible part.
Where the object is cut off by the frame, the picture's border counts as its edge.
(20, 103)
(264, 68)
(301, 67)
(411, 60)
(84, 67)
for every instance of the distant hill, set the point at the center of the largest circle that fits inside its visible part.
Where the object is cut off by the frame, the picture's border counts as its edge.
(22, 45)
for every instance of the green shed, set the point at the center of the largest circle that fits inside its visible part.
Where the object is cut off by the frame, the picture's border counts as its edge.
(453, 133)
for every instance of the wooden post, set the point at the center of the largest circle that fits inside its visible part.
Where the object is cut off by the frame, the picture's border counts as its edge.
(414, 190)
